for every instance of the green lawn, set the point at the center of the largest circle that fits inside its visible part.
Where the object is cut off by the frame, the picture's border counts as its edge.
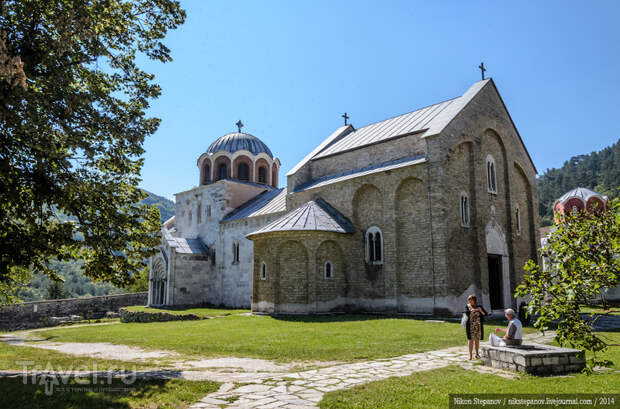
(141, 394)
(430, 390)
(600, 310)
(201, 312)
(283, 339)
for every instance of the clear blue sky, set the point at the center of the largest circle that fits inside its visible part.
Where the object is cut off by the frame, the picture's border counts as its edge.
(289, 69)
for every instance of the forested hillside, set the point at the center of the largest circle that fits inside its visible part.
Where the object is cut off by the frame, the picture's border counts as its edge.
(599, 171)
(76, 284)
(165, 206)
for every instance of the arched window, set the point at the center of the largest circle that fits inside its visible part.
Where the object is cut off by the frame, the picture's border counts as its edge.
(374, 246)
(464, 210)
(518, 220)
(222, 171)
(328, 270)
(198, 214)
(243, 171)
(262, 175)
(263, 271)
(206, 174)
(491, 180)
(208, 210)
(235, 252)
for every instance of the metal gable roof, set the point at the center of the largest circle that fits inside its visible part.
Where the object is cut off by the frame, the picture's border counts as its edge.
(427, 121)
(184, 245)
(356, 173)
(406, 124)
(268, 202)
(316, 215)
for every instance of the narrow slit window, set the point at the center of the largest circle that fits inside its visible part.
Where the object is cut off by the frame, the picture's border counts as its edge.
(235, 252)
(328, 270)
(464, 210)
(491, 176)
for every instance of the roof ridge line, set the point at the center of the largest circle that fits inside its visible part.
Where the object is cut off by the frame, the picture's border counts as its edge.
(409, 112)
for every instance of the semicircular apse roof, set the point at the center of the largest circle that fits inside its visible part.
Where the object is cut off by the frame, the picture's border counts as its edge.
(238, 141)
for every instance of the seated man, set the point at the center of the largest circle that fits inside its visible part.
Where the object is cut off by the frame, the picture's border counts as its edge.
(513, 331)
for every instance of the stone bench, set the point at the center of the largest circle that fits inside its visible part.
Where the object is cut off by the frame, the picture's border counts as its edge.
(534, 359)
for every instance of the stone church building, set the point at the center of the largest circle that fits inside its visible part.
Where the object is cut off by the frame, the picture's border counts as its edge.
(410, 214)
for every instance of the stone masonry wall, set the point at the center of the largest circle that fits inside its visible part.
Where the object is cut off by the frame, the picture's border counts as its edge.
(367, 201)
(194, 278)
(295, 280)
(431, 262)
(411, 145)
(36, 314)
(483, 127)
(231, 284)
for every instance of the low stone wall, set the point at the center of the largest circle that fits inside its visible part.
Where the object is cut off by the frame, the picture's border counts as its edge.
(47, 313)
(147, 316)
(534, 359)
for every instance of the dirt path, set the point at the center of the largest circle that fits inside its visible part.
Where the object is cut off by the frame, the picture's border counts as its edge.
(174, 360)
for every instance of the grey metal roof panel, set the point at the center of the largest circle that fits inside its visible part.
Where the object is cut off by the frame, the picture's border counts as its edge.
(316, 215)
(409, 123)
(268, 202)
(238, 141)
(426, 121)
(190, 246)
(440, 122)
(184, 245)
(337, 135)
(356, 173)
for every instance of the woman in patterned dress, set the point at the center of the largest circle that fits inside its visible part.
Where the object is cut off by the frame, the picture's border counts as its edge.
(475, 324)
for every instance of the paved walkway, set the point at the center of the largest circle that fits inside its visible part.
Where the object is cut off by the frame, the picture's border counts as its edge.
(296, 390)
(303, 390)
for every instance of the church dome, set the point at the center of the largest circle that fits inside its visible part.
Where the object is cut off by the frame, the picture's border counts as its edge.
(238, 141)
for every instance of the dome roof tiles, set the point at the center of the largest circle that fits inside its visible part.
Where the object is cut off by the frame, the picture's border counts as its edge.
(238, 141)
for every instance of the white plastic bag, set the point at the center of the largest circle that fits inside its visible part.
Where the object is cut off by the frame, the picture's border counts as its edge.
(464, 320)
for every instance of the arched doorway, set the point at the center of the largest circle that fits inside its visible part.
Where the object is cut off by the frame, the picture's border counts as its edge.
(158, 282)
(498, 277)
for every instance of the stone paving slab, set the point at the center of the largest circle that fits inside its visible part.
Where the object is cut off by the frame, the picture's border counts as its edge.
(309, 387)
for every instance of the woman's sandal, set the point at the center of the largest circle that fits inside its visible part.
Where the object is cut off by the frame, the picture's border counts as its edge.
(477, 356)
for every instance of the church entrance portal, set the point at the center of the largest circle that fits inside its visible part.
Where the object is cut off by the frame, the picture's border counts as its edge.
(495, 282)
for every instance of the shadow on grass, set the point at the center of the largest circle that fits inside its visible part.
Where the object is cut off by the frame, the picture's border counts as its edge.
(72, 393)
(350, 317)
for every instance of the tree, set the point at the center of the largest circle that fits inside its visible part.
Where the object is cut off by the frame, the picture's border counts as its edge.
(583, 259)
(73, 121)
(55, 290)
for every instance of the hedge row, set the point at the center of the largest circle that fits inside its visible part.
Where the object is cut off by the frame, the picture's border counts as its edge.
(146, 316)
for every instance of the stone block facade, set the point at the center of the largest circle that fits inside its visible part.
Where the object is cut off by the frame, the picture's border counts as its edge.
(534, 359)
(431, 259)
(441, 203)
